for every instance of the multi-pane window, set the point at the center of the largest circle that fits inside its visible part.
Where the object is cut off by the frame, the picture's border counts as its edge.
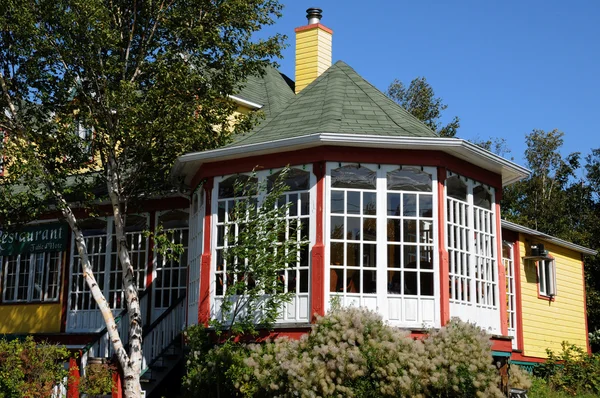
(229, 193)
(102, 249)
(511, 307)
(171, 270)
(31, 277)
(471, 243)
(295, 278)
(547, 277)
(382, 238)
(353, 236)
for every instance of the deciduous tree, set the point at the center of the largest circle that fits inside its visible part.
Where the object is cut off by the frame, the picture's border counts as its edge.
(98, 98)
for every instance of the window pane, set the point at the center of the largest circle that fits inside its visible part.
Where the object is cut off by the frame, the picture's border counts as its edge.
(353, 281)
(369, 255)
(425, 206)
(304, 281)
(353, 228)
(409, 205)
(337, 202)
(410, 283)
(394, 282)
(352, 176)
(393, 204)
(410, 257)
(369, 229)
(426, 284)
(353, 202)
(369, 203)
(426, 260)
(337, 253)
(409, 179)
(295, 180)
(456, 188)
(337, 227)
(394, 256)
(353, 253)
(482, 198)
(410, 230)
(393, 230)
(370, 281)
(336, 280)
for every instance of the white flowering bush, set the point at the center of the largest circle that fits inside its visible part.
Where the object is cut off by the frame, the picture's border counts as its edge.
(351, 352)
(459, 362)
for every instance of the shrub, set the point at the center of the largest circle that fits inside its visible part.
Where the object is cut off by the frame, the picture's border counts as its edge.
(351, 353)
(98, 379)
(30, 370)
(460, 363)
(572, 370)
(519, 378)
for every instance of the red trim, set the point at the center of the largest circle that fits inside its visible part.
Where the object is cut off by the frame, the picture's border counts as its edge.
(117, 390)
(317, 305)
(587, 331)
(205, 264)
(501, 272)
(518, 293)
(346, 154)
(443, 252)
(73, 380)
(517, 356)
(313, 26)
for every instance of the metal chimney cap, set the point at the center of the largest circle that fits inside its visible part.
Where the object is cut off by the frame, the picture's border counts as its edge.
(314, 15)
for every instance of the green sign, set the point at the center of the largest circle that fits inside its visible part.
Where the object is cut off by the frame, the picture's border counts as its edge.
(34, 239)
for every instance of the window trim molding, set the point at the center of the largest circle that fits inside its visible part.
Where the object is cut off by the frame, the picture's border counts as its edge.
(543, 295)
(381, 241)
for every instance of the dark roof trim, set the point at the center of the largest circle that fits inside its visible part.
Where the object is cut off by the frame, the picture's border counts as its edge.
(559, 242)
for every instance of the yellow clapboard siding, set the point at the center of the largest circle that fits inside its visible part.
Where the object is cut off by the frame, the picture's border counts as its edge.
(547, 324)
(313, 55)
(30, 318)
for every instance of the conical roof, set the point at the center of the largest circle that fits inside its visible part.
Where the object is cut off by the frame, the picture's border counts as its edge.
(338, 101)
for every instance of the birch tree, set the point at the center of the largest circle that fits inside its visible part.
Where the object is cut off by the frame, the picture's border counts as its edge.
(99, 97)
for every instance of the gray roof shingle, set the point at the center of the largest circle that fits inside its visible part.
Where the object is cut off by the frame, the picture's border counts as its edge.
(338, 101)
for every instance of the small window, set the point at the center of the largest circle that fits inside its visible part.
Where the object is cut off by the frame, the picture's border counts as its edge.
(547, 277)
(409, 179)
(353, 177)
(482, 197)
(456, 188)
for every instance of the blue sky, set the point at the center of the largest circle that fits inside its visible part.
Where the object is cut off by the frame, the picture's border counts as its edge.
(504, 67)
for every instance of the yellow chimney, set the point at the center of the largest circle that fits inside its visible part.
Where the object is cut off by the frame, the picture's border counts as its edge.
(313, 49)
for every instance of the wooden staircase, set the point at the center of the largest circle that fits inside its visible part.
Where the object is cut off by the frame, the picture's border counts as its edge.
(162, 343)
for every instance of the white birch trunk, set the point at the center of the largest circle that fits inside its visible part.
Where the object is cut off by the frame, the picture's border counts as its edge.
(132, 365)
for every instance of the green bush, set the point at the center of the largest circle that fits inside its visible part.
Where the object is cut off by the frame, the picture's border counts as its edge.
(348, 353)
(519, 378)
(30, 370)
(572, 370)
(98, 379)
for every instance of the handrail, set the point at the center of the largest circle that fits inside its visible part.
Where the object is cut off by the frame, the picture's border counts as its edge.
(117, 320)
(162, 316)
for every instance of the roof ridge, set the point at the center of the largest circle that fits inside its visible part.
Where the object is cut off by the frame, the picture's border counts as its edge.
(391, 104)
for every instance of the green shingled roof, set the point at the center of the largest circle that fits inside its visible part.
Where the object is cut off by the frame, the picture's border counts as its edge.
(338, 101)
(273, 91)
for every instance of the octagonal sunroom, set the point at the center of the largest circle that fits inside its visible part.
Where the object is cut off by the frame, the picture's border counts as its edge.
(399, 220)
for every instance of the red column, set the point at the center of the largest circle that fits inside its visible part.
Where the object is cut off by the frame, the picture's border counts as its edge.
(443, 252)
(204, 294)
(73, 380)
(317, 305)
(117, 390)
(501, 272)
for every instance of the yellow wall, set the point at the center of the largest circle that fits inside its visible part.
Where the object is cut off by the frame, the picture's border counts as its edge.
(313, 55)
(30, 318)
(546, 324)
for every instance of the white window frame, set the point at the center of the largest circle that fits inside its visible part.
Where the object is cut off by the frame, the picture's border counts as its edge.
(475, 263)
(546, 273)
(511, 296)
(298, 310)
(31, 260)
(112, 267)
(395, 308)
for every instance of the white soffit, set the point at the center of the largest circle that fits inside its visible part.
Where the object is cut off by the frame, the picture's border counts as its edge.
(187, 165)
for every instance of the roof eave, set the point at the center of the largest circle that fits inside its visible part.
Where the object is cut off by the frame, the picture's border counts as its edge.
(563, 243)
(244, 102)
(510, 171)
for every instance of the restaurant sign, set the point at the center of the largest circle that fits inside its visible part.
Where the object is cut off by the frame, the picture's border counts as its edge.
(34, 239)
